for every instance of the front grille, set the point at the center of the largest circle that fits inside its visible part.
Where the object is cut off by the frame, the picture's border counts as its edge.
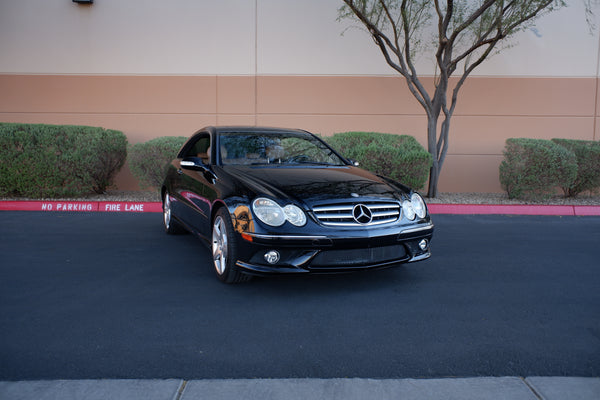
(358, 257)
(342, 214)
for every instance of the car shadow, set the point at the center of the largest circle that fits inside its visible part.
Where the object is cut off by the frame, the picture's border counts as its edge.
(360, 281)
(398, 277)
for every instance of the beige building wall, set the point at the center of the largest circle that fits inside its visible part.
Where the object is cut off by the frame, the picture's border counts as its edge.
(152, 68)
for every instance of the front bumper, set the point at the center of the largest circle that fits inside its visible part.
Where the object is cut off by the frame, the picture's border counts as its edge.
(301, 254)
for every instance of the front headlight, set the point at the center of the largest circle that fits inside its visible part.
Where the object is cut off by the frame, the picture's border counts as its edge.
(408, 210)
(418, 205)
(272, 214)
(295, 215)
(268, 211)
(414, 208)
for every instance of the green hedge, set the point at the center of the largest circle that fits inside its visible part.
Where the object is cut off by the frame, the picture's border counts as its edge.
(148, 161)
(399, 157)
(45, 161)
(533, 169)
(588, 165)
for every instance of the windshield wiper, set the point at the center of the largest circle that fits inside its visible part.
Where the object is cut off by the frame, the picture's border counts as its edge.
(316, 163)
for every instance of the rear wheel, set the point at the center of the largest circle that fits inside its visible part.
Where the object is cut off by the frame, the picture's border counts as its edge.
(224, 249)
(172, 226)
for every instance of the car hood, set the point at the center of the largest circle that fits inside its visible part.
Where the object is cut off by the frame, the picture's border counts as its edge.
(315, 184)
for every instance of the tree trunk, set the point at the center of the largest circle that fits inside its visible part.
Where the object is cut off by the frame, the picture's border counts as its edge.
(433, 181)
(434, 174)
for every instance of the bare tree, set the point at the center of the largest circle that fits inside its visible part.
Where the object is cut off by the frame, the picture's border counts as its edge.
(463, 34)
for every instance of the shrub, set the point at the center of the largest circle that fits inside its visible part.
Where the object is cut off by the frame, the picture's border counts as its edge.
(532, 169)
(58, 160)
(399, 157)
(148, 161)
(104, 152)
(588, 165)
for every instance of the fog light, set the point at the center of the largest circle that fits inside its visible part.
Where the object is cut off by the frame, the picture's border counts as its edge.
(423, 244)
(272, 257)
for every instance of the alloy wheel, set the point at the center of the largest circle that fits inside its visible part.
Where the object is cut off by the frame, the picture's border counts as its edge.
(219, 245)
(167, 211)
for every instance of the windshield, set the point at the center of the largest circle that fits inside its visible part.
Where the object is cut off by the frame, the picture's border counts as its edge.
(275, 148)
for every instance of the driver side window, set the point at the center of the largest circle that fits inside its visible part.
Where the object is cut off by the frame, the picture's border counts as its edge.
(201, 149)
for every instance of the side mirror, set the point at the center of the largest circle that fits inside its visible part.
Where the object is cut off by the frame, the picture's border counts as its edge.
(193, 163)
(353, 162)
(196, 164)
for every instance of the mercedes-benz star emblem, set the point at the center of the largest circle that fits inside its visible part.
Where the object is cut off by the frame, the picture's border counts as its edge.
(362, 214)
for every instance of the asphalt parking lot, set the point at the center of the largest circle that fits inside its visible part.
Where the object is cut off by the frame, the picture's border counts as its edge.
(99, 295)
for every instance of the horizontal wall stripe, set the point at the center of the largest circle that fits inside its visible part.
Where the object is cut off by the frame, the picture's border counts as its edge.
(490, 110)
(288, 95)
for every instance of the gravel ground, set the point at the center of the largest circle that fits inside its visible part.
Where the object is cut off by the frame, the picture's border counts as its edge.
(443, 198)
(111, 195)
(586, 199)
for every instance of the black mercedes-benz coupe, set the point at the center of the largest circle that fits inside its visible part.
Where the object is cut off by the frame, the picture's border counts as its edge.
(281, 201)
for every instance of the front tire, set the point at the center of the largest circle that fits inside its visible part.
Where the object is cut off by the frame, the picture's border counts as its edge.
(224, 249)
(172, 226)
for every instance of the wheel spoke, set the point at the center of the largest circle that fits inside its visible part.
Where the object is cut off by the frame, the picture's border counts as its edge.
(167, 211)
(219, 245)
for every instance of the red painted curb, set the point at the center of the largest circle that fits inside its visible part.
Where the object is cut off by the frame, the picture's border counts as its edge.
(460, 209)
(587, 210)
(84, 206)
(113, 206)
(508, 209)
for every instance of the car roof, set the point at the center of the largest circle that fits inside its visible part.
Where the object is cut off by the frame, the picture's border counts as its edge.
(249, 129)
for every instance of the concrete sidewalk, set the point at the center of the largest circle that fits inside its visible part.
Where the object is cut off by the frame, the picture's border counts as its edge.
(484, 388)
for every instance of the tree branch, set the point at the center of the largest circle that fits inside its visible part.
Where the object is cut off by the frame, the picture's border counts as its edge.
(478, 13)
(384, 43)
(502, 33)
